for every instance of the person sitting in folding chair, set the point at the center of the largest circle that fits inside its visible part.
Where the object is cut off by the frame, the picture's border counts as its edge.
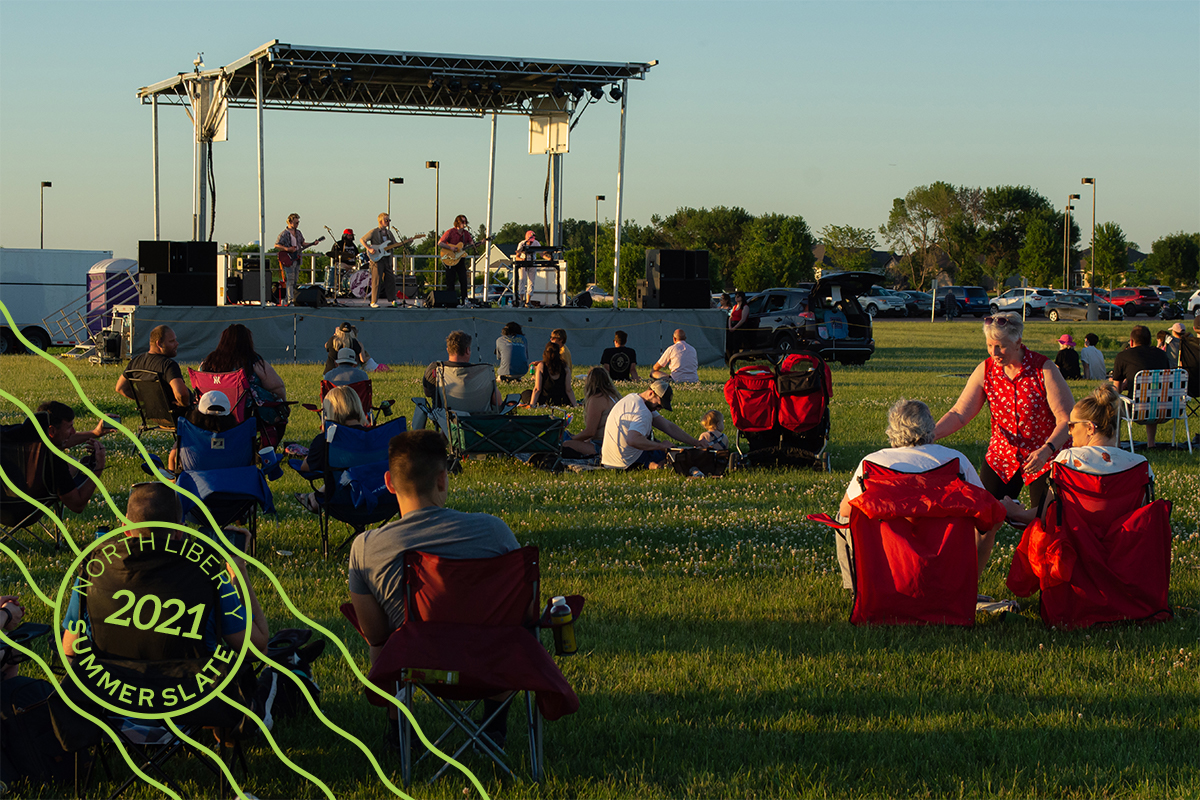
(57, 477)
(158, 364)
(456, 384)
(345, 370)
(1141, 355)
(341, 406)
(417, 477)
(911, 449)
(212, 414)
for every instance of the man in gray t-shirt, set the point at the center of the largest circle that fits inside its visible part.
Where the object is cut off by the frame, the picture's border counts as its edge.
(417, 476)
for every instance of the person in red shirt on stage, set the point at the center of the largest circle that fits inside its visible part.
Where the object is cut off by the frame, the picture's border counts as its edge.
(453, 242)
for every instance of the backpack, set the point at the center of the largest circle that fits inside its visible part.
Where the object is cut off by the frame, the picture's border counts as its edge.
(277, 696)
(34, 721)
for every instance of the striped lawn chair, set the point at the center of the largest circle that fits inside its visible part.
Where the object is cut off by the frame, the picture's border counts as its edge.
(1159, 395)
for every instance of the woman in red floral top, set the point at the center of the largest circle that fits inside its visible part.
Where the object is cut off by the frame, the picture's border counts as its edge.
(1030, 404)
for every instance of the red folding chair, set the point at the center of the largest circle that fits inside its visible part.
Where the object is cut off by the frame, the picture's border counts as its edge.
(470, 633)
(235, 385)
(1103, 553)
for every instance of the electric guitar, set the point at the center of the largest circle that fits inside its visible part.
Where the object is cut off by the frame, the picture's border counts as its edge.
(375, 253)
(451, 254)
(287, 259)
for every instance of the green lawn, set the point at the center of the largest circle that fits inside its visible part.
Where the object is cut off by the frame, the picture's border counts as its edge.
(715, 657)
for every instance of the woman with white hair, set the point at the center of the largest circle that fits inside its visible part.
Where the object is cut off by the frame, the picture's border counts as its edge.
(911, 449)
(1030, 405)
(341, 406)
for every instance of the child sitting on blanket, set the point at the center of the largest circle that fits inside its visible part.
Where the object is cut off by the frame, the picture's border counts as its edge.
(714, 431)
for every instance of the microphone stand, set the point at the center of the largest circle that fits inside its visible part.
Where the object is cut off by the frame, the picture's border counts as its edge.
(335, 266)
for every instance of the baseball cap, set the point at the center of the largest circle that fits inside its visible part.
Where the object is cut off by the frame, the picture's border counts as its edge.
(214, 404)
(1177, 327)
(663, 390)
(1067, 340)
(346, 356)
(348, 232)
(529, 234)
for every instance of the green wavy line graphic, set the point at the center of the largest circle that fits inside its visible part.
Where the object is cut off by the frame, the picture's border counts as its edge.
(45, 598)
(275, 747)
(215, 756)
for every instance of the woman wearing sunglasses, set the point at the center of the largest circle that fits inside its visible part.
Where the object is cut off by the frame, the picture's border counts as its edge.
(1030, 404)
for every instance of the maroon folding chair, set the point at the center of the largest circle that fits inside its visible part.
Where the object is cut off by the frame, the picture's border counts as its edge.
(234, 385)
(470, 633)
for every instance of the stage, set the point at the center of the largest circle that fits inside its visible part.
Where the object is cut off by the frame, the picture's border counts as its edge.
(296, 334)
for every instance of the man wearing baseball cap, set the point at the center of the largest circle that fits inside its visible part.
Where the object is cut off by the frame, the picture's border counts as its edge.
(1174, 343)
(343, 259)
(627, 442)
(211, 414)
(1067, 359)
(346, 370)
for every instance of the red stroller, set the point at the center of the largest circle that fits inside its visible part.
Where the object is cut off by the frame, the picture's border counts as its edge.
(782, 407)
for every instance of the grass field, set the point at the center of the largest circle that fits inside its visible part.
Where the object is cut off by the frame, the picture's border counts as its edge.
(715, 658)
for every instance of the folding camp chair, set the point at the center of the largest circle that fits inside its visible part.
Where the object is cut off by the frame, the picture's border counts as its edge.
(505, 434)
(1159, 395)
(463, 388)
(1103, 552)
(363, 390)
(470, 633)
(23, 461)
(234, 385)
(153, 403)
(913, 555)
(219, 469)
(353, 491)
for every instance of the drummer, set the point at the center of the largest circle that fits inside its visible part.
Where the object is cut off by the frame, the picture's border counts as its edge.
(343, 258)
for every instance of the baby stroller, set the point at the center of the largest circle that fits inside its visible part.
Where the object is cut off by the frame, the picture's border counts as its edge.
(780, 403)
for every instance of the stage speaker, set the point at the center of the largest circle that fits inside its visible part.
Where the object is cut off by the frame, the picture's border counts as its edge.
(581, 300)
(312, 296)
(441, 298)
(180, 258)
(684, 294)
(167, 289)
(647, 296)
(153, 257)
(410, 286)
(696, 266)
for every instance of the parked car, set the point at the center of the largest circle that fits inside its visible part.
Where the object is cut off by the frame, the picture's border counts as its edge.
(918, 302)
(598, 294)
(1031, 300)
(1074, 305)
(1136, 300)
(1193, 303)
(967, 300)
(877, 300)
(826, 319)
(1165, 293)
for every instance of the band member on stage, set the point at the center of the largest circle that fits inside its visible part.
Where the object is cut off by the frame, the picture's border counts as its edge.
(530, 240)
(291, 242)
(343, 258)
(455, 240)
(383, 277)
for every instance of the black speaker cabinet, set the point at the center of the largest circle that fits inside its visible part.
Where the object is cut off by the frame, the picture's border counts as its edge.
(647, 295)
(441, 298)
(180, 258)
(675, 265)
(684, 294)
(311, 296)
(153, 257)
(581, 300)
(167, 289)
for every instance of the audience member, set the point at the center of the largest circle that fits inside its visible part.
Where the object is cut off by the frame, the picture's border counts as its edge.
(346, 335)
(1139, 356)
(345, 370)
(235, 352)
(160, 360)
(341, 406)
(599, 396)
(1161, 340)
(627, 443)
(1175, 344)
(552, 380)
(512, 353)
(714, 431)
(417, 476)
(559, 337)
(619, 361)
(1067, 359)
(58, 477)
(737, 336)
(911, 449)
(1029, 403)
(457, 365)
(211, 414)
(1093, 359)
(678, 363)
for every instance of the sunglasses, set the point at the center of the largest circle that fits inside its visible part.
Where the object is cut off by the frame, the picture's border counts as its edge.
(999, 322)
(1072, 423)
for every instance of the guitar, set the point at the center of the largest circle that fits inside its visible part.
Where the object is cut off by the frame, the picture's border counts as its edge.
(376, 253)
(451, 254)
(287, 259)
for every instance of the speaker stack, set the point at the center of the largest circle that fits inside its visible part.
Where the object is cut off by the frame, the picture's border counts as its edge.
(441, 298)
(177, 273)
(675, 279)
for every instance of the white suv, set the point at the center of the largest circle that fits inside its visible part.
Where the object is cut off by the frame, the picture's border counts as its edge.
(1032, 299)
(879, 300)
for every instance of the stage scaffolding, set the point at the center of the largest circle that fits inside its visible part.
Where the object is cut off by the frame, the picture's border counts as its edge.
(304, 78)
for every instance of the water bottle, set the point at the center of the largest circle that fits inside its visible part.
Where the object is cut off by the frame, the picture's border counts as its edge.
(563, 626)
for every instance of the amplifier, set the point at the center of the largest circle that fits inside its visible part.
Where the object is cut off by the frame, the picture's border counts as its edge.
(441, 298)
(311, 295)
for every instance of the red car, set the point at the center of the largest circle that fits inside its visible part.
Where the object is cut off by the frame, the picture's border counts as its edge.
(1134, 301)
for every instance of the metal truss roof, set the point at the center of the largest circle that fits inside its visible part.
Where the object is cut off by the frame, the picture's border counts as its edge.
(307, 78)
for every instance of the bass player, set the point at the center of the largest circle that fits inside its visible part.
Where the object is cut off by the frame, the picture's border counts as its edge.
(290, 245)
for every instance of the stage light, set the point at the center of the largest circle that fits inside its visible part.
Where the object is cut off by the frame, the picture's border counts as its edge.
(558, 91)
(596, 92)
(615, 93)
(475, 86)
(281, 76)
(577, 92)
(435, 83)
(304, 78)
(325, 77)
(454, 85)
(495, 87)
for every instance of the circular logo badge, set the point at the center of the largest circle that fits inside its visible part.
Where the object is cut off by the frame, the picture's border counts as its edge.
(147, 608)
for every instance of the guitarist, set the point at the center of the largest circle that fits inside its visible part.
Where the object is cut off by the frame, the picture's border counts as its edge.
(383, 275)
(290, 244)
(454, 241)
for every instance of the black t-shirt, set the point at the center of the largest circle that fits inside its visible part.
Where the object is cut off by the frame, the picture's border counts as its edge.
(619, 361)
(1067, 362)
(1132, 361)
(163, 366)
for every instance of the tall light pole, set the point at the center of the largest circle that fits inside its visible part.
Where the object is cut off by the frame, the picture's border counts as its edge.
(1067, 242)
(1093, 308)
(42, 214)
(390, 182)
(595, 237)
(437, 195)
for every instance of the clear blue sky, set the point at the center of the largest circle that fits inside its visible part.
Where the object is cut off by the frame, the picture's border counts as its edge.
(825, 110)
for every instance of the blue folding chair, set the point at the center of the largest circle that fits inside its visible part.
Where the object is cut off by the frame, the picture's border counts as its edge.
(219, 469)
(356, 460)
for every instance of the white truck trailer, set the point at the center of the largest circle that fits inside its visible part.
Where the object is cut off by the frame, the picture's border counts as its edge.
(36, 283)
